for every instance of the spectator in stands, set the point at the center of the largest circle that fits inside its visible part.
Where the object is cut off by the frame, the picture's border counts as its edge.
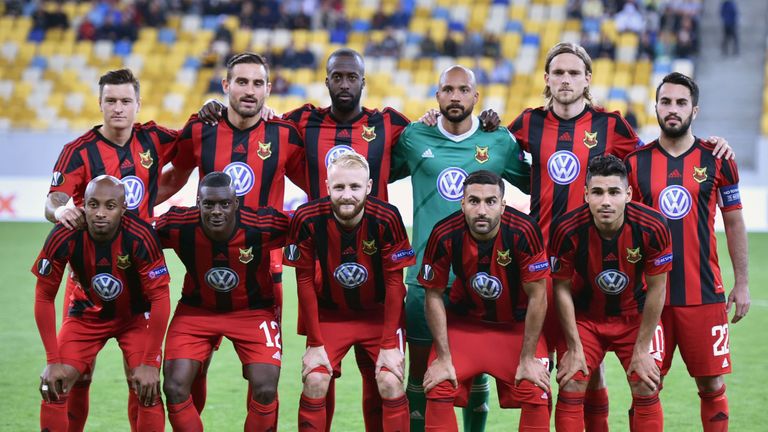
(592, 9)
(729, 15)
(573, 9)
(390, 46)
(630, 19)
(687, 45)
(223, 34)
(606, 48)
(280, 85)
(481, 75)
(380, 19)
(473, 44)
(646, 46)
(295, 57)
(151, 13)
(502, 72)
(451, 45)
(491, 46)
(44, 20)
(428, 46)
(86, 30)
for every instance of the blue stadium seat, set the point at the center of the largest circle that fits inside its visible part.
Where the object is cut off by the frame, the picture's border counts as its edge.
(191, 62)
(590, 25)
(456, 26)
(123, 48)
(619, 93)
(413, 38)
(441, 13)
(39, 62)
(36, 35)
(211, 22)
(297, 90)
(514, 26)
(531, 39)
(360, 25)
(167, 36)
(339, 36)
(662, 66)
(501, 2)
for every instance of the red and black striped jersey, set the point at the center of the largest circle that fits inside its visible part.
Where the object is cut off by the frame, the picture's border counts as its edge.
(372, 134)
(489, 274)
(560, 151)
(611, 273)
(257, 158)
(687, 189)
(353, 263)
(138, 163)
(114, 280)
(225, 276)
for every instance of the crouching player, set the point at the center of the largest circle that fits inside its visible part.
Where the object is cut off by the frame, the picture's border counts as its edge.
(610, 259)
(227, 293)
(496, 306)
(121, 275)
(361, 248)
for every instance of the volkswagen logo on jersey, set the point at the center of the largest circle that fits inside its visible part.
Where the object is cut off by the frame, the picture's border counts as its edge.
(450, 183)
(134, 191)
(222, 279)
(675, 202)
(563, 167)
(335, 152)
(106, 286)
(486, 286)
(350, 275)
(612, 282)
(242, 177)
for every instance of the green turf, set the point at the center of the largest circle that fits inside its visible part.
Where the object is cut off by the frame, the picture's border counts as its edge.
(22, 359)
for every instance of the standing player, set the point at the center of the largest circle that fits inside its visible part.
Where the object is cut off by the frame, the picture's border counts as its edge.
(129, 151)
(121, 275)
(227, 292)
(438, 160)
(678, 175)
(610, 259)
(361, 247)
(496, 306)
(562, 136)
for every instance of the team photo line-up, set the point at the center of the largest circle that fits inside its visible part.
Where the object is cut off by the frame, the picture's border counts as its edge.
(617, 253)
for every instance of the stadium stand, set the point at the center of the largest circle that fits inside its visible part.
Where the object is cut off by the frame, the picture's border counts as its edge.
(51, 52)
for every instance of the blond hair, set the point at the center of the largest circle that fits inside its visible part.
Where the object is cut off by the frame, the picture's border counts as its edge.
(351, 160)
(578, 51)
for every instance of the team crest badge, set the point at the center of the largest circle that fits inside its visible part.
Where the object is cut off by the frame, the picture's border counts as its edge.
(481, 154)
(246, 255)
(369, 247)
(502, 257)
(633, 255)
(590, 139)
(369, 133)
(265, 150)
(123, 262)
(699, 174)
(145, 159)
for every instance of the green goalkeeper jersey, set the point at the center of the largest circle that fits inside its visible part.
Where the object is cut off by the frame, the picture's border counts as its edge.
(438, 162)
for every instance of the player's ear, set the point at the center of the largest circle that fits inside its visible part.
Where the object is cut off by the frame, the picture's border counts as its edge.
(503, 204)
(269, 90)
(586, 194)
(629, 194)
(225, 86)
(369, 187)
(695, 112)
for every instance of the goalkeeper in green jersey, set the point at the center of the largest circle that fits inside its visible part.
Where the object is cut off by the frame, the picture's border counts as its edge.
(438, 159)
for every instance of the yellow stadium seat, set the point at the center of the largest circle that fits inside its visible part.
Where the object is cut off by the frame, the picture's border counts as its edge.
(517, 12)
(764, 123)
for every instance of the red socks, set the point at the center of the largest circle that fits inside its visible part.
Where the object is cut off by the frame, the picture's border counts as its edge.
(330, 404)
(261, 418)
(151, 418)
(440, 416)
(395, 415)
(569, 412)
(648, 414)
(53, 415)
(184, 416)
(77, 407)
(311, 414)
(596, 410)
(133, 409)
(714, 410)
(534, 418)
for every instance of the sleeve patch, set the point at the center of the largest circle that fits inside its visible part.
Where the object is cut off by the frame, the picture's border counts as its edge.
(292, 253)
(44, 267)
(730, 195)
(156, 273)
(57, 179)
(427, 273)
(662, 260)
(402, 254)
(539, 266)
(555, 264)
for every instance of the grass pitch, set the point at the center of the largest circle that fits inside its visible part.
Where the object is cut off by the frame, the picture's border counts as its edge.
(22, 359)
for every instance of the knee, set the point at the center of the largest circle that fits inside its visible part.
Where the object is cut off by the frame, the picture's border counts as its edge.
(175, 391)
(639, 388)
(263, 392)
(316, 384)
(389, 386)
(575, 386)
(710, 384)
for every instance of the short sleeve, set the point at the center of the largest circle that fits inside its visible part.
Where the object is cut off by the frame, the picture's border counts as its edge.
(728, 194)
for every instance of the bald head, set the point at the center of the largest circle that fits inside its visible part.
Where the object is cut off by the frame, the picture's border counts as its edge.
(106, 185)
(347, 54)
(458, 70)
(104, 206)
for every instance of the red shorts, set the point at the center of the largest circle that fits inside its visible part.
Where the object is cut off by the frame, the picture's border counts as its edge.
(342, 335)
(492, 348)
(701, 333)
(617, 334)
(194, 332)
(80, 340)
